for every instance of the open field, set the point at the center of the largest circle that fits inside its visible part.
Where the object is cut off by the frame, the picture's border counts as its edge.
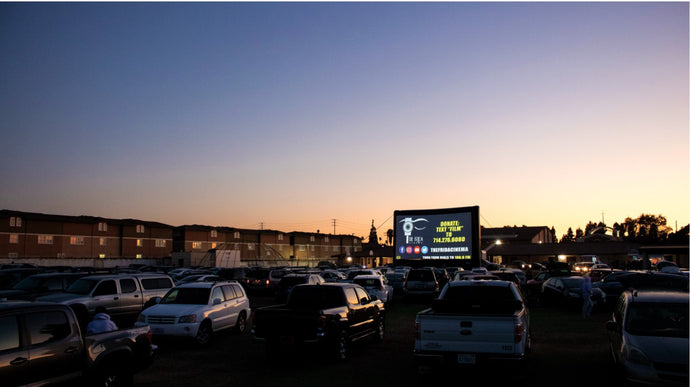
(567, 351)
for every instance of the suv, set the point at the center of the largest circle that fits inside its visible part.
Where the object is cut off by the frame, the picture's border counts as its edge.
(648, 336)
(198, 309)
(421, 283)
(289, 281)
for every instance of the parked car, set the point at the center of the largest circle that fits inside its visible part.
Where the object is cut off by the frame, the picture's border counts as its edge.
(329, 317)
(11, 276)
(289, 281)
(615, 283)
(376, 285)
(330, 275)
(567, 291)
(199, 278)
(199, 309)
(582, 267)
(421, 283)
(648, 337)
(43, 344)
(40, 284)
(397, 280)
(534, 285)
(441, 276)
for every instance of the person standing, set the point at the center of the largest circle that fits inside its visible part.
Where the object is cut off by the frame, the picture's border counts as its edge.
(587, 304)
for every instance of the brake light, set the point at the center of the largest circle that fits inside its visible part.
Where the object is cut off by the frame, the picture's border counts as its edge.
(149, 336)
(321, 321)
(519, 329)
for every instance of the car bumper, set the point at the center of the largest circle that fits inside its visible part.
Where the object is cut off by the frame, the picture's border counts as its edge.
(185, 330)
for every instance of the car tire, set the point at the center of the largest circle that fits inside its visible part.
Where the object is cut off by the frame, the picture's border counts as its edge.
(114, 375)
(380, 330)
(241, 324)
(203, 335)
(341, 346)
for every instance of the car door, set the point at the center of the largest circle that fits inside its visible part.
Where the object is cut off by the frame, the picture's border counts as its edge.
(219, 308)
(106, 295)
(54, 350)
(14, 356)
(130, 296)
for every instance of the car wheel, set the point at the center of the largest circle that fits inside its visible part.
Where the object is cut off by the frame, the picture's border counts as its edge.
(241, 324)
(203, 335)
(342, 346)
(115, 376)
(380, 330)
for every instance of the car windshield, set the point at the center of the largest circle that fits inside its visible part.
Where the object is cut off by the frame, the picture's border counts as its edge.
(82, 286)
(29, 283)
(658, 319)
(189, 296)
(315, 297)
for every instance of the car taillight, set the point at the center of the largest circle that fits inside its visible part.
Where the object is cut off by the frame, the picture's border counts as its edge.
(149, 336)
(321, 321)
(519, 329)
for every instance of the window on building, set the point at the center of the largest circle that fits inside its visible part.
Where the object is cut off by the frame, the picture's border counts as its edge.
(302, 248)
(312, 238)
(140, 228)
(76, 240)
(101, 255)
(312, 247)
(196, 245)
(213, 245)
(13, 255)
(139, 256)
(14, 238)
(140, 242)
(45, 239)
(280, 237)
(214, 234)
(102, 241)
(102, 226)
(325, 239)
(250, 246)
(15, 221)
(160, 243)
(236, 235)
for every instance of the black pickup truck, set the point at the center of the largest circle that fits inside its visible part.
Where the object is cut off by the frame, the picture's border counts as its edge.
(42, 343)
(329, 316)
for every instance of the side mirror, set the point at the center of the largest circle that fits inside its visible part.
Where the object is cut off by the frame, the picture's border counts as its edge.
(216, 301)
(373, 298)
(157, 300)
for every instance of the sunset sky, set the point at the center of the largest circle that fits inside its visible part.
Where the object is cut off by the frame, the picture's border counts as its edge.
(289, 115)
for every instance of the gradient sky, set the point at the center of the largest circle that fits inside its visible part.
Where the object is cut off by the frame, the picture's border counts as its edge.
(293, 114)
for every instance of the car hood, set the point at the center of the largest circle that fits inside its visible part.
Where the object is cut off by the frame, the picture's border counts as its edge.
(60, 297)
(10, 292)
(172, 310)
(662, 349)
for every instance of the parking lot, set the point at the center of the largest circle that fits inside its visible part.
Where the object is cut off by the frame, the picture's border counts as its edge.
(567, 351)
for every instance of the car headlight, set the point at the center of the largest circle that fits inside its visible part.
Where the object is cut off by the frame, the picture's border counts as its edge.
(190, 318)
(634, 355)
(141, 318)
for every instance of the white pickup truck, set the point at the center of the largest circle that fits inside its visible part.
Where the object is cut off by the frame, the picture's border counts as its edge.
(473, 322)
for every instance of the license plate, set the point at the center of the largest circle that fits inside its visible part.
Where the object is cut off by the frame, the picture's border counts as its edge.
(287, 340)
(464, 358)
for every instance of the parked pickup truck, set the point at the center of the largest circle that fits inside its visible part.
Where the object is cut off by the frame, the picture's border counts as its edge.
(473, 322)
(329, 316)
(42, 343)
(123, 295)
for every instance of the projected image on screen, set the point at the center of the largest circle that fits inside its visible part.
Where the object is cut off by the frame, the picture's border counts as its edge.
(447, 234)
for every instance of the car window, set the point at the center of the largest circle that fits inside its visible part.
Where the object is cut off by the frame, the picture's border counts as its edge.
(47, 326)
(217, 294)
(9, 333)
(351, 296)
(362, 294)
(105, 288)
(127, 285)
(229, 292)
(156, 283)
(239, 290)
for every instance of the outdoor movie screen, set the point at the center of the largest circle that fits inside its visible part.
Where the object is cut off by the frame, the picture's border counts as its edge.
(447, 234)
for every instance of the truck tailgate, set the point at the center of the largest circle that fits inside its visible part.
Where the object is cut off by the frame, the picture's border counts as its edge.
(466, 334)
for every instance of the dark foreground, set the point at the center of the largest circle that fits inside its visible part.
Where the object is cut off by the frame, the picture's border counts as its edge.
(567, 351)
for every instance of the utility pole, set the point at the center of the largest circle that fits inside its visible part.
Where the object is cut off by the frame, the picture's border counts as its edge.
(333, 226)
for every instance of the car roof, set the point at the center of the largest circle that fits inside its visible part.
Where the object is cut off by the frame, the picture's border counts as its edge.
(672, 296)
(368, 276)
(9, 305)
(203, 284)
(487, 282)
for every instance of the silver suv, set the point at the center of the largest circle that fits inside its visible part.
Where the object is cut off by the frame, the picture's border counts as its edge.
(199, 309)
(648, 336)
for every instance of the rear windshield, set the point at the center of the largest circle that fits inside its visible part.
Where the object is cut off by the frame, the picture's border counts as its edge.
(658, 319)
(479, 299)
(368, 282)
(421, 275)
(287, 282)
(315, 297)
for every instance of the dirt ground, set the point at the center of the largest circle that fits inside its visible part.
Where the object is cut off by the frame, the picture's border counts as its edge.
(567, 351)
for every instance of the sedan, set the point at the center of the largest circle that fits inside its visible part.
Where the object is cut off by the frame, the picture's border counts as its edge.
(568, 291)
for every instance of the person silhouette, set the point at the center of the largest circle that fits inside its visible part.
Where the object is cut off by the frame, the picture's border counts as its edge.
(101, 322)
